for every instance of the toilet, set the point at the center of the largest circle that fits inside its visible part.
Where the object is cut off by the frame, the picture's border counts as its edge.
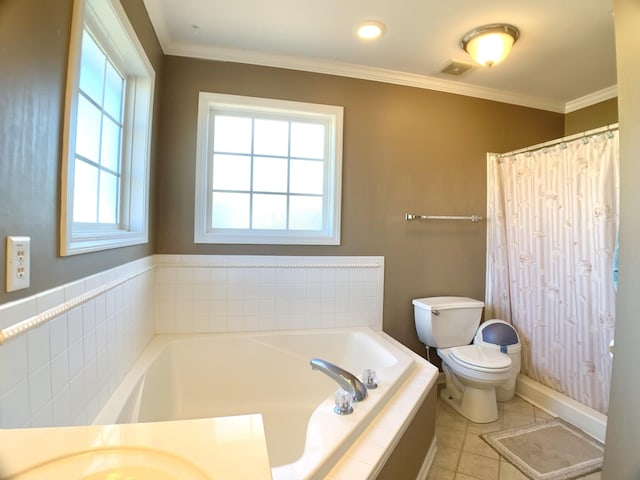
(472, 372)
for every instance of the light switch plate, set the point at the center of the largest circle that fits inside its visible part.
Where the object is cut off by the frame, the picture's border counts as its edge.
(18, 263)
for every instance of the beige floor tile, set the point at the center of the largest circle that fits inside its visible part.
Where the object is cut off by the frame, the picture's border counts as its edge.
(447, 417)
(462, 476)
(479, 428)
(517, 404)
(509, 472)
(449, 438)
(439, 473)
(447, 458)
(478, 466)
(517, 419)
(463, 455)
(474, 444)
(541, 415)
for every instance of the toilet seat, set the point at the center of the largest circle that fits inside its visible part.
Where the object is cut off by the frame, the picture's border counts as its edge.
(479, 358)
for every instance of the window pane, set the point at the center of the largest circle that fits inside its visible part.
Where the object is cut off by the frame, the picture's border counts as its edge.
(307, 176)
(108, 202)
(85, 191)
(270, 174)
(269, 212)
(231, 172)
(305, 213)
(88, 130)
(92, 64)
(232, 134)
(271, 137)
(307, 140)
(110, 156)
(113, 91)
(230, 210)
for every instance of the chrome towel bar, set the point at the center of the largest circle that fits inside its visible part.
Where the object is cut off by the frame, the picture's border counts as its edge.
(411, 216)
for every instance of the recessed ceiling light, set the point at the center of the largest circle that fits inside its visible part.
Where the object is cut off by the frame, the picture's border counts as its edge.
(370, 30)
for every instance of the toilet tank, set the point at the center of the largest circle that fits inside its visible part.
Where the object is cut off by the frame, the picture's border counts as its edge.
(443, 322)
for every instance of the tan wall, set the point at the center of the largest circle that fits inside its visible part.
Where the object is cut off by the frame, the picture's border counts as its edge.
(621, 459)
(405, 150)
(34, 41)
(594, 116)
(409, 454)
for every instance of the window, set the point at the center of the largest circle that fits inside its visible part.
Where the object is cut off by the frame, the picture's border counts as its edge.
(268, 171)
(107, 131)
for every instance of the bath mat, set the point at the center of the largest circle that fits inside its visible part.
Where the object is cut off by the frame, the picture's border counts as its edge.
(551, 450)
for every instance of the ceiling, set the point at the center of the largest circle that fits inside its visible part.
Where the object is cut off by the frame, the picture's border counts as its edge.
(563, 60)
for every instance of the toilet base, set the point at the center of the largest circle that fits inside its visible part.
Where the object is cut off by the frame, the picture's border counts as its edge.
(477, 404)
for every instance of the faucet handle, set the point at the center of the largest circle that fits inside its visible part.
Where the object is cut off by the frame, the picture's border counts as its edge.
(369, 378)
(343, 402)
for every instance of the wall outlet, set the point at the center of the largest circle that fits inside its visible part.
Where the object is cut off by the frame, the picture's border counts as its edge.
(18, 263)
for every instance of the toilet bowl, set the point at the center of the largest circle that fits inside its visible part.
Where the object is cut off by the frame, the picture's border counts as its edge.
(472, 372)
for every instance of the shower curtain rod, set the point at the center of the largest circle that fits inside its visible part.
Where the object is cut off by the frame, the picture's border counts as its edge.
(551, 143)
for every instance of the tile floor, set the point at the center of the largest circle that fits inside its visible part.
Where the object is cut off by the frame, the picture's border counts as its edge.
(463, 455)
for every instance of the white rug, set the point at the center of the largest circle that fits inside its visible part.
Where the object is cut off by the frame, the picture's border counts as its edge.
(552, 450)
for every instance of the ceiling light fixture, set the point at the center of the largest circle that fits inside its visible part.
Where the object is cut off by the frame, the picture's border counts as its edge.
(371, 30)
(490, 44)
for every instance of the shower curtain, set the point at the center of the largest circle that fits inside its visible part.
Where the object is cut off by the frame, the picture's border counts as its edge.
(552, 218)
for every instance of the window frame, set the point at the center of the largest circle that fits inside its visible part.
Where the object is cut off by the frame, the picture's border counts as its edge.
(109, 25)
(332, 116)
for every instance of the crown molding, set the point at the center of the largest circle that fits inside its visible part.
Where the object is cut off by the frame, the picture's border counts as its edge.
(591, 99)
(361, 72)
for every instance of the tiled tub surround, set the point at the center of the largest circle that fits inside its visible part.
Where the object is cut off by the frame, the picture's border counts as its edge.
(62, 371)
(218, 293)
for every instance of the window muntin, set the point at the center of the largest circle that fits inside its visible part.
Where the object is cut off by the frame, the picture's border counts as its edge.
(99, 127)
(254, 168)
(107, 131)
(271, 169)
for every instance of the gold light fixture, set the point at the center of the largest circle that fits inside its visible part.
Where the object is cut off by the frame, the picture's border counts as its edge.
(490, 44)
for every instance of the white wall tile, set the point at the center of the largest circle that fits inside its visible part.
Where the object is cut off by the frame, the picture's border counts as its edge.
(78, 400)
(76, 358)
(14, 406)
(74, 289)
(44, 417)
(44, 373)
(38, 347)
(58, 335)
(74, 325)
(49, 299)
(13, 363)
(39, 388)
(59, 372)
(62, 407)
(20, 309)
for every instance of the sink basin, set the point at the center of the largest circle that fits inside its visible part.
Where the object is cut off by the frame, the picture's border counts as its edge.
(115, 463)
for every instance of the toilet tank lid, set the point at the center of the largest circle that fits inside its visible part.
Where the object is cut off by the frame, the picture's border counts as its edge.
(444, 303)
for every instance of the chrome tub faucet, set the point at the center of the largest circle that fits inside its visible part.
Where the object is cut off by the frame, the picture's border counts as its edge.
(346, 380)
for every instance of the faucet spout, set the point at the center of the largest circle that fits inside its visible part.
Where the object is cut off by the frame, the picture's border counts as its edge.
(346, 380)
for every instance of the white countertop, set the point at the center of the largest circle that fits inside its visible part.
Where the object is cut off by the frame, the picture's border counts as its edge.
(225, 447)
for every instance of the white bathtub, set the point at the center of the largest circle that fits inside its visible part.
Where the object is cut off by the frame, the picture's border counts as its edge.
(212, 375)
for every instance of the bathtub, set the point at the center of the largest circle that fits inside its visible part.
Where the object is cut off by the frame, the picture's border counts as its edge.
(181, 377)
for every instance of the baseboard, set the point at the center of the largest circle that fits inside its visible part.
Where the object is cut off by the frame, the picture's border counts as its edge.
(559, 405)
(428, 460)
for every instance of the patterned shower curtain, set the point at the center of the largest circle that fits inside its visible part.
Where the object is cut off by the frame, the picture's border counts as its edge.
(552, 218)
